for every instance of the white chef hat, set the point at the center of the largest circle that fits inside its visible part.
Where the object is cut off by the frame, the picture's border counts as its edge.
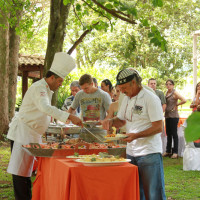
(62, 64)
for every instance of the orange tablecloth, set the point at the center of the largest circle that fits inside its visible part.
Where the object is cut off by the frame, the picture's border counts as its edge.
(61, 179)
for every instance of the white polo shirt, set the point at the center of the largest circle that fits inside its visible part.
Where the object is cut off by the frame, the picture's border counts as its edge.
(139, 112)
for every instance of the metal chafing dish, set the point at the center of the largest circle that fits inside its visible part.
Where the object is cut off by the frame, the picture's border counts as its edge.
(57, 131)
(67, 129)
(36, 149)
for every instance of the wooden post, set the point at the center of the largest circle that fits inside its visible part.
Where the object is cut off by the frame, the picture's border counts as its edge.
(41, 72)
(24, 83)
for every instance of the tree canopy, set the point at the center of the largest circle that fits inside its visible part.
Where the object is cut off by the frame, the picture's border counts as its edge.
(137, 37)
(153, 36)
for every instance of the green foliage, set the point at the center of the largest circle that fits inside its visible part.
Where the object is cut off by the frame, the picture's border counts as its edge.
(18, 104)
(157, 3)
(192, 131)
(13, 7)
(61, 98)
(19, 92)
(31, 12)
(65, 2)
(114, 43)
(141, 46)
(106, 12)
(157, 39)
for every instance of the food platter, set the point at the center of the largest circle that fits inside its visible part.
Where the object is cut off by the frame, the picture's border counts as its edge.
(116, 137)
(99, 164)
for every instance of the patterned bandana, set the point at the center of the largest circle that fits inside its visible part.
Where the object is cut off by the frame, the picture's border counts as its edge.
(125, 76)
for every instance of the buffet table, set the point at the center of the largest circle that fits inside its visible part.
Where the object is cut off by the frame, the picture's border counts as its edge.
(64, 179)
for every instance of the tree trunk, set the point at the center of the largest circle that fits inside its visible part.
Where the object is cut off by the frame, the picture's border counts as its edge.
(56, 33)
(4, 62)
(13, 66)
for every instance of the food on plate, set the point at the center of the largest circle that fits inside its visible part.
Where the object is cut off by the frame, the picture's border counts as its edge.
(101, 157)
(76, 155)
(112, 132)
(110, 135)
(115, 135)
(97, 159)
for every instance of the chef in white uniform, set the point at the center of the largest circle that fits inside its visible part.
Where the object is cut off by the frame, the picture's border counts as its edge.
(32, 120)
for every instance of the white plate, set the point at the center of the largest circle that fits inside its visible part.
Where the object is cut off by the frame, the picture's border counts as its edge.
(82, 156)
(97, 164)
(117, 137)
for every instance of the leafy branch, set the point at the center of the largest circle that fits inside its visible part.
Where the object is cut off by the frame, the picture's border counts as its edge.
(77, 15)
(95, 10)
(114, 13)
(80, 39)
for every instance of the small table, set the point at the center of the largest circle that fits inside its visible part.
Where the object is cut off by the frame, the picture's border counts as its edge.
(64, 179)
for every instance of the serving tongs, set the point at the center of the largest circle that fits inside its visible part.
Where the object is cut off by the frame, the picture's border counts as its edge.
(103, 141)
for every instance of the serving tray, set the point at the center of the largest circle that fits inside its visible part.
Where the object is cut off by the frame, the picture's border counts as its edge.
(36, 149)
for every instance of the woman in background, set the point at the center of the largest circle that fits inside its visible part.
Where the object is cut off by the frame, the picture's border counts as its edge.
(172, 118)
(196, 101)
(113, 109)
(106, 86)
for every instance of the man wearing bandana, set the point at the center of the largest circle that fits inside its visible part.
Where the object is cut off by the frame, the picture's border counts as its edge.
(142, 114)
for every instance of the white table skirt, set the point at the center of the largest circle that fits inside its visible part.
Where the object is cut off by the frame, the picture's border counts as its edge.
(181, 141)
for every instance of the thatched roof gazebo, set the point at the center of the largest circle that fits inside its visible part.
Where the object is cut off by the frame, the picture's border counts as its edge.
(30, 66)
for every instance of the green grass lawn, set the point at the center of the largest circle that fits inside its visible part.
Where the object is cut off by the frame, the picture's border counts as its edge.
(6, 191)
(179, 184)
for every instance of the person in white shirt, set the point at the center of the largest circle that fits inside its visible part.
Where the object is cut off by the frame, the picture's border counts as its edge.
(33, 119)
(142, 113)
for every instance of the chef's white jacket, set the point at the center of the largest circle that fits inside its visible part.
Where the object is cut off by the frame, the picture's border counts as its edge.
(30, 123)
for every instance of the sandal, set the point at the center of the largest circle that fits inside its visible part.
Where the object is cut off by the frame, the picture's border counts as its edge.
(174, 156)
(166, 154)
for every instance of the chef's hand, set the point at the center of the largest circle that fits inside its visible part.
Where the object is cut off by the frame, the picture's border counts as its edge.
(130, 137)
(107, 124)
(75, 120)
